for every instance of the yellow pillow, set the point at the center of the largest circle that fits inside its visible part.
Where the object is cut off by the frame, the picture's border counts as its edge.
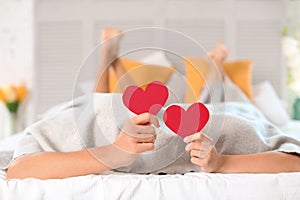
(141, 73)
(240, 72)
(196, 71)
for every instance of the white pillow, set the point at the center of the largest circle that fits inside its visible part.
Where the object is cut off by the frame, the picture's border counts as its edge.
(157, 58)
(176, 83)
(5, 122)
(87, 86)
(267, 101)
(11, 142)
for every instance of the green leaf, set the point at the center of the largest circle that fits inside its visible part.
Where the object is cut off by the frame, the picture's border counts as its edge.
(285, 31)
(12, 106)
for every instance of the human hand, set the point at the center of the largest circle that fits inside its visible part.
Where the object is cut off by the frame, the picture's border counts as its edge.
(137, 136)
(203, 153)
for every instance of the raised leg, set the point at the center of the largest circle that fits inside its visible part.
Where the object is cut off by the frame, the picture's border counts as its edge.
(218, 56)
(108, 55)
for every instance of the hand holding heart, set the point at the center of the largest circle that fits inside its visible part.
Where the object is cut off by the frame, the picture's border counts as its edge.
(137, 136)
(154, 97)
(203, 153)
(185, 123)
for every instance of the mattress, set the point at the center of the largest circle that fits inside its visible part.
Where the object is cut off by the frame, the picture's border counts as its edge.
(132, 186)
(111, 185)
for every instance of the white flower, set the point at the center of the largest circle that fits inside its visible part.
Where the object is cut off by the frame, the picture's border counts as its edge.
(290, 46)
(291, 49)
(295, 86)
(294, 61)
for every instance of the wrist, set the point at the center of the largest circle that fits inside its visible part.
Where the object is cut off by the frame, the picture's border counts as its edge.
(119, 157)
(222, 163)
(107, 155)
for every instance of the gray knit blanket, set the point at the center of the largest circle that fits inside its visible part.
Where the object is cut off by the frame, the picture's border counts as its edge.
(96, 119)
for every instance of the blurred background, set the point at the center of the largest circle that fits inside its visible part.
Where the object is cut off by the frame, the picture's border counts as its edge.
(43, 42)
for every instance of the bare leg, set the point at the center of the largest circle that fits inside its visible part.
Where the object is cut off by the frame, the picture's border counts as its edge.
(218, 56)
(108, 53)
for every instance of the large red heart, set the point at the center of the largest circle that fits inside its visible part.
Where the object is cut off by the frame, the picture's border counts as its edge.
(185, 123)
(151, 100)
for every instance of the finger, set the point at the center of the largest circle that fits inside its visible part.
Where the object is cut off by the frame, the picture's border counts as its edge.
(146, 140)
(145, 118)
(141, 119)
(193, 146)
(154, 121)
(196, 136)
(198, 161)
(195, 153)
(198, 146)
(142, 147)
(145, 130)
(139, 131)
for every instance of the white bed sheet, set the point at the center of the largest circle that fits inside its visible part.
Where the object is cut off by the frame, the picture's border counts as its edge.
(292, 128)
(128, 186)
(132, 186)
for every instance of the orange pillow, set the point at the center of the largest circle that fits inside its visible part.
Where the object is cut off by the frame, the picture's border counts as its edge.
(141, 73)
(239, 72)
(196, 71)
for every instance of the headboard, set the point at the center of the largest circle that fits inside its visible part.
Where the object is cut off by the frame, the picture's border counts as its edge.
(65, 33)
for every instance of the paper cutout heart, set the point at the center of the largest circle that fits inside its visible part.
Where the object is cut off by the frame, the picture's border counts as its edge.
(185, 123)
(151, 100)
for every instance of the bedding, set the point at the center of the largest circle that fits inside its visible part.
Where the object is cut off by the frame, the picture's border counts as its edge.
(266, 100)
(116, 185)
(95, 120)
(132, 186)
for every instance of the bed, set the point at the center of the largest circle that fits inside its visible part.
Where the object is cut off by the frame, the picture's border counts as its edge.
(130, 186)
(113, 185)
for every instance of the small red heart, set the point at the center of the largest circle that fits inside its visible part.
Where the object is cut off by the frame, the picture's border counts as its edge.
(185, 123)
(151, 100)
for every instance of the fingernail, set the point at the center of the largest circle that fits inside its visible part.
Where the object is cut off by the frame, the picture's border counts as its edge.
(196, 135)
(157, 125)
(187, 147)
(154, 121)
(185, 139)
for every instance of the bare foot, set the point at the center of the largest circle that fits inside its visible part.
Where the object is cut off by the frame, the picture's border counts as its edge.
(110, 32)
(219, 55)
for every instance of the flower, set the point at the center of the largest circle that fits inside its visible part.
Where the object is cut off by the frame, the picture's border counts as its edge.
(21, 92)
(291, 50)
(295, 86)
(12, 96)
(290, 46)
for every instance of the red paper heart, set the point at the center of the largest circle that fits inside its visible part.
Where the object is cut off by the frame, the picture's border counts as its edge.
(151, 100)
(185, 123)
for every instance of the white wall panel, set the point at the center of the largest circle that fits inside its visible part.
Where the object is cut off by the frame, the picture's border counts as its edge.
(205, 32)
(67, 31)
(59, 53)
(260, 42)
